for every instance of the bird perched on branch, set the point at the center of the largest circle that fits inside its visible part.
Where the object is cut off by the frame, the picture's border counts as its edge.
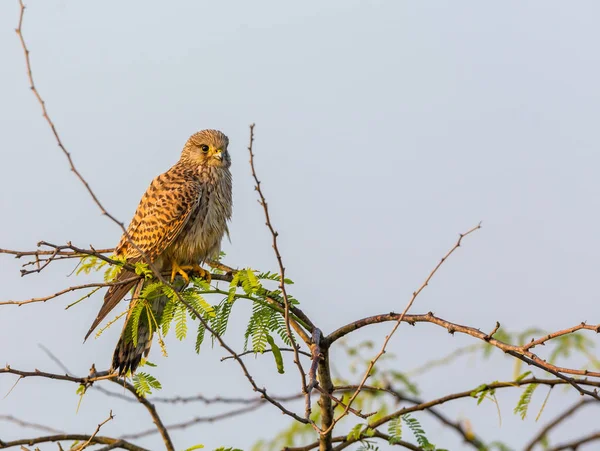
(178, 225)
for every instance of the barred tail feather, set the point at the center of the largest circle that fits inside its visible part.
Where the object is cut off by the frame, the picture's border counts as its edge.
(113, 296)
(127, 355)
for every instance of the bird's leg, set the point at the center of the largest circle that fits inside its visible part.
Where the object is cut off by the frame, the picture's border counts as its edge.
(176, 269)
(183, 270)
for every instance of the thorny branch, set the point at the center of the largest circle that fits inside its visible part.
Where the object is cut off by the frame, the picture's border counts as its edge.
(519, 352)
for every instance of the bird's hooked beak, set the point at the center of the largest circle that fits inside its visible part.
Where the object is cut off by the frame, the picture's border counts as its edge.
(219, 154)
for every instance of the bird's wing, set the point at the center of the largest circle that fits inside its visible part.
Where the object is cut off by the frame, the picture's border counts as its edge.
(161, 215)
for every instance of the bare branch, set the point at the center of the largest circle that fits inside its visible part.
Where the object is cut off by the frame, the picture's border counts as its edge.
(575, 444)
(68, 290)
(89, 440)
(88, 381)
(560, 333)
(42, 103)
(555, 422)
(27, 424)
(519, 352)
(62, 437)
(198, 420)
(286, 301)
(266, 350)
(400, 319)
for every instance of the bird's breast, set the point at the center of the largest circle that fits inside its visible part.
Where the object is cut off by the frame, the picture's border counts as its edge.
(201, 237)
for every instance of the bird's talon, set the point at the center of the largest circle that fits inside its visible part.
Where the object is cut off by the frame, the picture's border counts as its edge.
(176, 269)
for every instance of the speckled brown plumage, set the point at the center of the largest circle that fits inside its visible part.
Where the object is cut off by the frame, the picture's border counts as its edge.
(180, 221)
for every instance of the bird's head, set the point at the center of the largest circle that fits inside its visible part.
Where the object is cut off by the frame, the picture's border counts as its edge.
(207, 148)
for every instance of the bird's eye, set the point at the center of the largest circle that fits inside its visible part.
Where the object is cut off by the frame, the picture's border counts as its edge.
(204, 148)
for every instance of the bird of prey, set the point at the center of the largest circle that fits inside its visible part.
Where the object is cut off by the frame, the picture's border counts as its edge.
(178, 224)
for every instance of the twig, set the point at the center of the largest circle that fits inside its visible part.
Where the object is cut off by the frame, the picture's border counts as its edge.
(42, 103)
(63, 437)
(88, 381)
(241, 354)
(464, 394)
(467, 436)
(89, 440)
(400, 319)
(560, 333)
(27, 424)
(516, 351)
(198, 420)
(575, 444)
(68, 290)
(543, 433)
(274, 235)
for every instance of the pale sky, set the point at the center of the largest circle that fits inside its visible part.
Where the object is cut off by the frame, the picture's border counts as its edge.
(384, 129)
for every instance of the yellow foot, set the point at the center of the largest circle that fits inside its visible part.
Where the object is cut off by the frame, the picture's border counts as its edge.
(203, 273)
(176, 269)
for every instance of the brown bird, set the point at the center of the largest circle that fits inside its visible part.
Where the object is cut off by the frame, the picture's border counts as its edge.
(178, 225)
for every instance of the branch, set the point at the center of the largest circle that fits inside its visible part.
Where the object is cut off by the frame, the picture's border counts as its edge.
(577, 443)
(466, 394)
(156, 273)
(399, 321)
(62, 437)
(468, 437)
(342, 439)
(519, 352)
(266, 350)
(198, 420)
(89, 440)
(560, 333)
(286, 301)
(555, 422)
(27, 424)
(42, 103)
(68, 290)
(88, 381)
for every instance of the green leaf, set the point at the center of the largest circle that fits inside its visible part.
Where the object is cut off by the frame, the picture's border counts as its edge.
(233, 287)
(544, 404)
(410, 386)
(200, 336)
(524, 400)
(134, 320)
(181, 322)
(254, 283)
(523, 376)
(276, 354)
(144, 383)
(194, 447)
(167, 316)
(355, 432)
(417, 430)
(395, 430)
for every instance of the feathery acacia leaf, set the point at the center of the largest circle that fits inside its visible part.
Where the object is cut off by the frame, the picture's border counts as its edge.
(524, 400)
(144, 383)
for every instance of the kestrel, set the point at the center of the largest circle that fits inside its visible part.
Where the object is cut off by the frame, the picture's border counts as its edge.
(179, 224)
